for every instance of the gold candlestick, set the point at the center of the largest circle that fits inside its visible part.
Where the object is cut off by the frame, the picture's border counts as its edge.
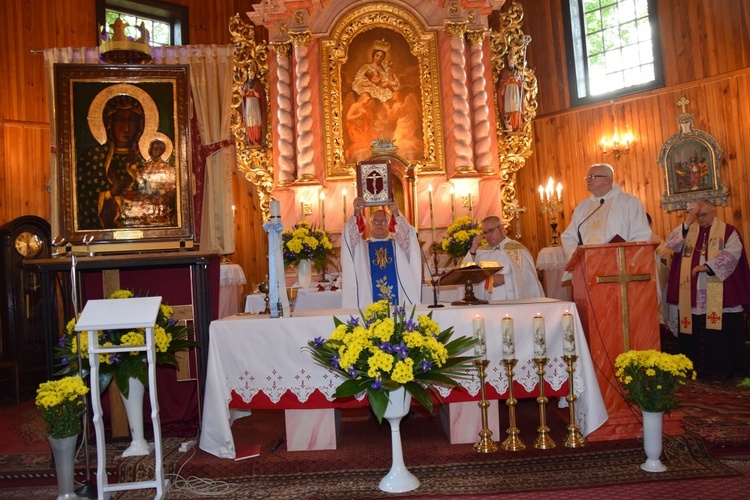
(543, 440)
(513, 442)
(552, 205)
(485, 444)
(574, 439)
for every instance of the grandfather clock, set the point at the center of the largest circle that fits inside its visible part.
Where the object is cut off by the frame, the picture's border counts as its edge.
(22, 326)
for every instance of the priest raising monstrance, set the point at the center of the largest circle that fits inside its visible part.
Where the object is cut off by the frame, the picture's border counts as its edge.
(387, 264)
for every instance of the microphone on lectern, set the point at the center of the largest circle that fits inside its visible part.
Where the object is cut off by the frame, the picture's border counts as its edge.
(580, 240)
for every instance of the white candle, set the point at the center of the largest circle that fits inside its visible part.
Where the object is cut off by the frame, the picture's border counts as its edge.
(343, 203)
(559, 191)
(509, 343)
(480, 349)
(275, 209)
(302, 210)
(322, 211)
(453, 203)
(569, 342)
(432, 213)
(540, 338)
(541, 193)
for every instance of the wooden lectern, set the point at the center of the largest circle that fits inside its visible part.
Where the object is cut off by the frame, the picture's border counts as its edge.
(469, 274)
(614, 288)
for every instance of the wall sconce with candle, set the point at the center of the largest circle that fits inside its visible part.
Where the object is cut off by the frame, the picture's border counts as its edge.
(551, 201)
(618, 144)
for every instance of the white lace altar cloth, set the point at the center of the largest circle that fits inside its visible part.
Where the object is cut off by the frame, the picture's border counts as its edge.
(252, 354)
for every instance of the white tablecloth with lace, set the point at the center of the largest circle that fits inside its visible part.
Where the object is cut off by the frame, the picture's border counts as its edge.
(260, 357)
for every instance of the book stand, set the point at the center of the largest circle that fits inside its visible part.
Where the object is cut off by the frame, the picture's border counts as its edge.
(468, 276)
(116, 314)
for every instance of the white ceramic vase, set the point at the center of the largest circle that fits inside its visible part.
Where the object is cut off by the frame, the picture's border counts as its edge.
(652, 441)
(304, 273)
(398, 479)
(134, 410)
(64, 453)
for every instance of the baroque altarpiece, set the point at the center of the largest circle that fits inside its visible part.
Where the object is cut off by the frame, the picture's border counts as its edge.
(440, 90)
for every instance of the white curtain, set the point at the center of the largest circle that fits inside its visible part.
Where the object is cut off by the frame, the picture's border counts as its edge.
(210, 72)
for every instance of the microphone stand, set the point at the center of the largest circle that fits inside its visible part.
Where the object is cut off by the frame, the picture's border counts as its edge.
(88, 489)
(433, 280)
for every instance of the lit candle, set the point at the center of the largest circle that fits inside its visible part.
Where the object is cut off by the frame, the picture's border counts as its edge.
(302, 209)
(471, 208)
(559, 191)
(540, 340)
(569, 342)
(604, 145)
(322, 211)
(480, 349)
(275, 209)
(550, 189)
(453, 203)
(509, 343)
(541, 193)
(343, 195)
(432, 213)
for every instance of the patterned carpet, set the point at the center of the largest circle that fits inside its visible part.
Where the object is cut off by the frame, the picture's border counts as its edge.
(717, 418)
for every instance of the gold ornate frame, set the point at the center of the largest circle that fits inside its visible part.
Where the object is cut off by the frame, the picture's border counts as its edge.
(83, 92)
(255, 161)
(512, 147)
(334, 53)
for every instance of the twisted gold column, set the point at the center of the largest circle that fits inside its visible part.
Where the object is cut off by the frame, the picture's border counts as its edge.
(485, 444)
(574, 439)
(543, 440)
(513, 442)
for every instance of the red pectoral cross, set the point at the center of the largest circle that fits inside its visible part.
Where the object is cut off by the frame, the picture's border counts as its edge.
(714, 318)
(685, 322)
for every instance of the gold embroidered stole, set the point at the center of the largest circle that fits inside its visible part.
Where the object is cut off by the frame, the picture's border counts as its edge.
(596, 227)
(714, 287)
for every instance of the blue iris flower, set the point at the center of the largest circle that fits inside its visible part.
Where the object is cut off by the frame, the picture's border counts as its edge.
(353, 321)
(377, 384)
(402, 350)
(426, 365)
(64, 361)
(411, 325)
(386, 347)
(335, 360)
(352, 371)
(318, 342)
(398, 311)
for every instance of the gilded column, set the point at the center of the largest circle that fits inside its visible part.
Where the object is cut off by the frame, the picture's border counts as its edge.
(480, 108)
(285, 128)
(460, 98)
(305, 165)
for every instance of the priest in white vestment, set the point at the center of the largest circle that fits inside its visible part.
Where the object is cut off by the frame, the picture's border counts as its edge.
(518, 279)
(386, 265)
(607, 213)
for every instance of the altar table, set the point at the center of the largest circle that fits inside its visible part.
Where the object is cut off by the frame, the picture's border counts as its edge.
(258, 362)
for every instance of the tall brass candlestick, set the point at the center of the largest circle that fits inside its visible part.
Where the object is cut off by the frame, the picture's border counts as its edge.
(485, 444)
(543, 441)
(574, 439)
(513, 442)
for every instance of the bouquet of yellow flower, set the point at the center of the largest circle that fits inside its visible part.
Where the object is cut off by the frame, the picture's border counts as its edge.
(169, 337)
(380, 352)
(305, 242)
(61, 403)
(458, 237)
(653, 377)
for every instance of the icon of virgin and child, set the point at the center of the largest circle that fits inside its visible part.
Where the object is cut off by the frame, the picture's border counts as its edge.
(117, 186)
(383, 102)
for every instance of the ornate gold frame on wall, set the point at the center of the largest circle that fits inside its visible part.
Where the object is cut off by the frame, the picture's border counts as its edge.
(334, 53)
(512, 147)
(255, 161)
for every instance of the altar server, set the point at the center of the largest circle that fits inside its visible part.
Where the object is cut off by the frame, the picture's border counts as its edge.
(385, 265)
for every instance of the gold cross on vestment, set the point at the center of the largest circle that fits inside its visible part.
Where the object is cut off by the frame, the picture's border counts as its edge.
(623, 279)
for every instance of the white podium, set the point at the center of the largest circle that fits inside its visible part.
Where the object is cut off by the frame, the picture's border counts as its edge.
(116, 314)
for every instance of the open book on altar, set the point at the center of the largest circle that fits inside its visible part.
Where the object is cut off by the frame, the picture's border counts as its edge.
(468, 274)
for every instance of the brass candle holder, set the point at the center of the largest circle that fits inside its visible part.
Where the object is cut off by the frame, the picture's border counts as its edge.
(513, 442)
(552, 205)
(543, 440)
(574, 439)
(485, 444)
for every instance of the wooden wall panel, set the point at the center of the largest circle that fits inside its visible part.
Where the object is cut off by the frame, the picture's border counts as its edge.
(568, 143)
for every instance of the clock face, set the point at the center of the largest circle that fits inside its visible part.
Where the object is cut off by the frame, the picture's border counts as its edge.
(28, 244)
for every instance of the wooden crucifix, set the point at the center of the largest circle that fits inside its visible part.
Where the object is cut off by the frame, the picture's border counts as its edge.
(623, 279)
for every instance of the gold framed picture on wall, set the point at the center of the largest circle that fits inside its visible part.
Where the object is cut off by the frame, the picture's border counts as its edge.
(123, 142)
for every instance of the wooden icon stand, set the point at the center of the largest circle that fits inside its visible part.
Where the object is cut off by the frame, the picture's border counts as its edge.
(468, 274)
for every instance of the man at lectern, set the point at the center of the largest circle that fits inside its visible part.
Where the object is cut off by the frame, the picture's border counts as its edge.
(710, 282)
(386, 265)
(518, 278)
(607, 213)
